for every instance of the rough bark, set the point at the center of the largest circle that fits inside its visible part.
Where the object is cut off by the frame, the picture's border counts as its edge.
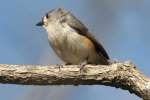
(119, 75)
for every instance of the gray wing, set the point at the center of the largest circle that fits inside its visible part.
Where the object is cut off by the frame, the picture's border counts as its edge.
(81, 29)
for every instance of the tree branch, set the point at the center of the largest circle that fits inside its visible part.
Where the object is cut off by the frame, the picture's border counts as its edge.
(119, 75)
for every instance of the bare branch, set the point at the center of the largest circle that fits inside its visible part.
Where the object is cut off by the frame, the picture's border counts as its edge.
(119, 75)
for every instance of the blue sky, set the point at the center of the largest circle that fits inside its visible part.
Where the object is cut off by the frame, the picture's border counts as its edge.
(121, 26)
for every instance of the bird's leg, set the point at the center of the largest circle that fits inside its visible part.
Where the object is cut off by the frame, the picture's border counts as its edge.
(61, 65)
(82, 65)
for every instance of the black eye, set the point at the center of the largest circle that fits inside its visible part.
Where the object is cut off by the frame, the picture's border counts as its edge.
(47, 15)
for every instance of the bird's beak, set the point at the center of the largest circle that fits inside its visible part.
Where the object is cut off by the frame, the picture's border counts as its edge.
(40, 23)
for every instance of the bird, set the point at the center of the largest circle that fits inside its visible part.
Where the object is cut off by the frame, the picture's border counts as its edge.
(71, 39)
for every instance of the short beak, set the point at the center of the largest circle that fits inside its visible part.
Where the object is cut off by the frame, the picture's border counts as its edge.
(40, 23)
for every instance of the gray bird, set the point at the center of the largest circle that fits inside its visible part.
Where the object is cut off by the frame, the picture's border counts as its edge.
(71, 40)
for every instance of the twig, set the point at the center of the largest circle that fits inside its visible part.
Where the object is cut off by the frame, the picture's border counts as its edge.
(119, 75)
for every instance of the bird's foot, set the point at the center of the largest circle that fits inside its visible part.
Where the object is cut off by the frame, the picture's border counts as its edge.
(82, 65)
(61, 66)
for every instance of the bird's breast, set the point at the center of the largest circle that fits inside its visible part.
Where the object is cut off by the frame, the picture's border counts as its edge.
(70, 46)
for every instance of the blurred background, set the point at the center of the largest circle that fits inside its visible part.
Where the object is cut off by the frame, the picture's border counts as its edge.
(121, 25)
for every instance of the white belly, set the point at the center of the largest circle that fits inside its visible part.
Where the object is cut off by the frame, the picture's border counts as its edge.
(70, 49)
(68, 45)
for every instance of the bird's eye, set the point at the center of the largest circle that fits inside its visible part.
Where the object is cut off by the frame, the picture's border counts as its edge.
(47, 15)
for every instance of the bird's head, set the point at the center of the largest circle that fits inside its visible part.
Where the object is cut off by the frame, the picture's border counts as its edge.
(55, 15)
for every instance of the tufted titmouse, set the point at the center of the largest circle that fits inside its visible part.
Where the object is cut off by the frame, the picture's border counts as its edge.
(71, 40)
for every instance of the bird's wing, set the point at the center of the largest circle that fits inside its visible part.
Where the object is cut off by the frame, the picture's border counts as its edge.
(81, 29)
